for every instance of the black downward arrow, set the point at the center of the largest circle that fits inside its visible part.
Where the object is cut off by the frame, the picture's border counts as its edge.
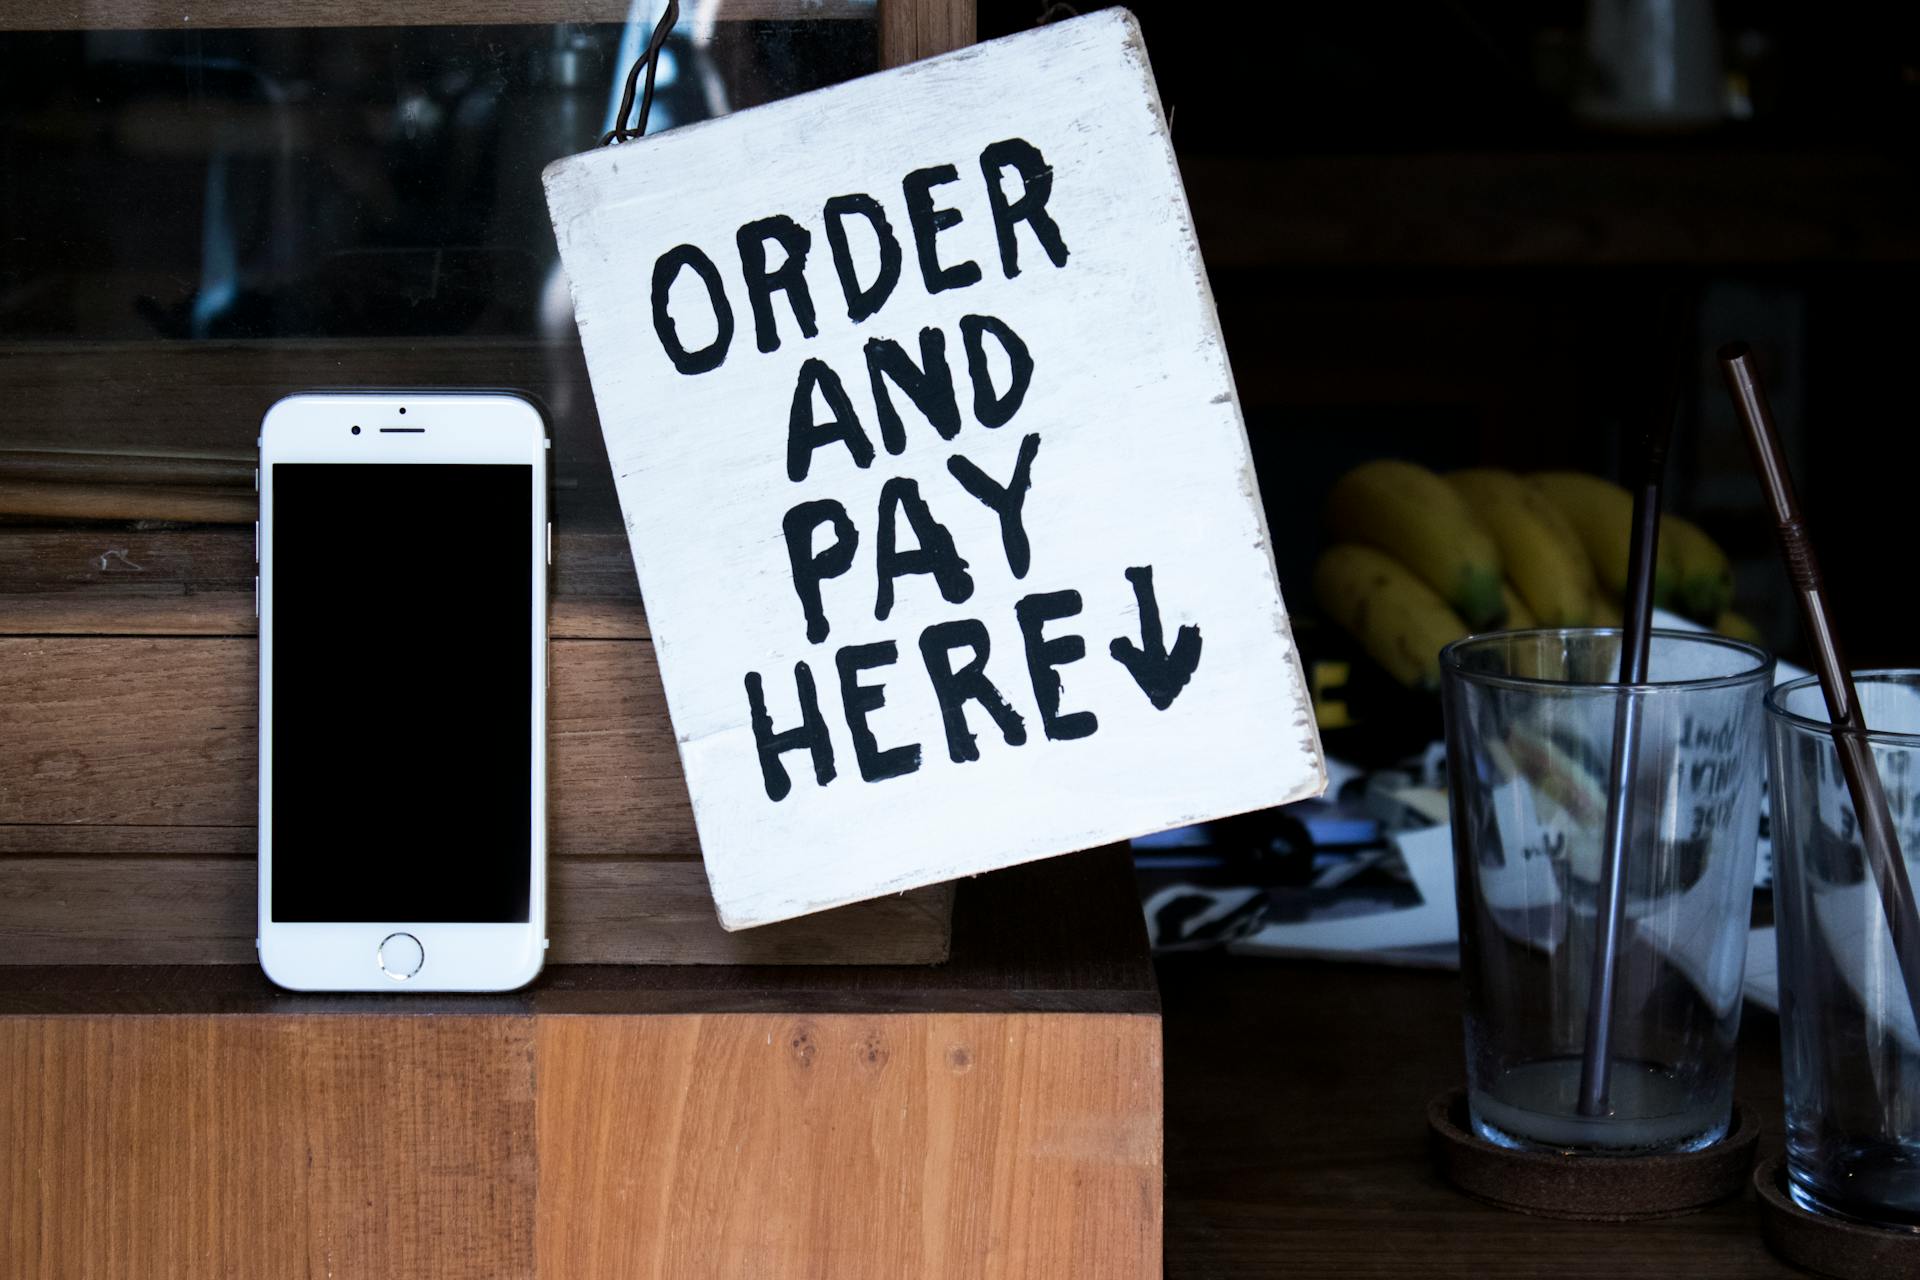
(1160, 674)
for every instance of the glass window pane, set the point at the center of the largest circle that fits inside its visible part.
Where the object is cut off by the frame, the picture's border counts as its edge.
(199, 219)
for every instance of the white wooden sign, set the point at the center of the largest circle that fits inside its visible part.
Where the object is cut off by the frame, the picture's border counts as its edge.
(934, 473)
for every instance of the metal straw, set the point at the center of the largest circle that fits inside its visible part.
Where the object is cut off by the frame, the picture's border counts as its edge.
(1596, 1058)
(1884, 861)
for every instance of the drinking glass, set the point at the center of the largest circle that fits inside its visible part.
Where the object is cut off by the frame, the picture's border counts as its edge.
(1531, 718)
(1848, 1039)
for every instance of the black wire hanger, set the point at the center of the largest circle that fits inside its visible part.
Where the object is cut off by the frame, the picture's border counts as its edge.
(650, 60)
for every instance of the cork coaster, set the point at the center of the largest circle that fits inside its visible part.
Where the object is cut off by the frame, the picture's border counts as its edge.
(1830, 1246)
(1587, 1188)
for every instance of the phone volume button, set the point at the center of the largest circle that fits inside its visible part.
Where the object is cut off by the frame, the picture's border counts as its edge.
(256, 595)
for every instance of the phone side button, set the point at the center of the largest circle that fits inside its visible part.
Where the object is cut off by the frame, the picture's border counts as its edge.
(549, 544)
(256, 595)
(256, 542)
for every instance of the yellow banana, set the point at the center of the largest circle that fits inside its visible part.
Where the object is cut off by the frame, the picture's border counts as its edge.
(1601, 513)
(1397, 618)
(1732, 624)
(1704, 589)
(1543, 556)
(1605, 610)
(1519, 617)
(1416, 518)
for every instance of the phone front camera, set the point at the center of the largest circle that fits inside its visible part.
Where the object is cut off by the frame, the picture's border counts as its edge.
(356, 431)
(403, 409)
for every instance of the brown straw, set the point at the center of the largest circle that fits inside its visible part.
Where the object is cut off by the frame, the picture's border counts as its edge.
(1884, 863)
(1636, 640)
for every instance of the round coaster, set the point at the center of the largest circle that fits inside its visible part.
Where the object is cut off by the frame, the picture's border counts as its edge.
(1830, 1246)
(1588, 1188)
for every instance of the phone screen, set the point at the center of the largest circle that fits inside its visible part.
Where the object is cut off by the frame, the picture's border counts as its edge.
(403, 652)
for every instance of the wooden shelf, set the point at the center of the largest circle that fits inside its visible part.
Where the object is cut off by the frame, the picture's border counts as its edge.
(1680, 207)
(1060, 936)
(103, 15)
(118, 909)
(997, 1115)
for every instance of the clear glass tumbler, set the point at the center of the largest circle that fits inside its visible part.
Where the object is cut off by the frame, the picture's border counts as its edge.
(1847, 1032)
(1531, 719)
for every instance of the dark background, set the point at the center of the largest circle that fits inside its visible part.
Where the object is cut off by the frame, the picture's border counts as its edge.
(1420, 245)
(1420, 249)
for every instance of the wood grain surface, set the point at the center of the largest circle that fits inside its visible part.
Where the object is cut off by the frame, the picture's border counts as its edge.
(124, 909)
(137, 579)
(673, 1146)
(114, 563)
(140, 398)
(127, 412)
(1011, 954)
(165, 468)
(846, 1147)
(269, 1147)
(116, 612)
(127, 815)
(127, 767)
(1296, 1140)
(144, 560)
(66, 501)
(914, 29)
(142, 731)
(994, 1117)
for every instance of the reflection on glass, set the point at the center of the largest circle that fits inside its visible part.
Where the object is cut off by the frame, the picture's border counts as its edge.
(335, 182)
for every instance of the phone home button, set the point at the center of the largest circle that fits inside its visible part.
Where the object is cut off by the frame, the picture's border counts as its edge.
(401, 955)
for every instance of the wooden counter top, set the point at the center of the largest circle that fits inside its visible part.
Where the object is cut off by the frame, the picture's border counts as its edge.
(1296, 1139)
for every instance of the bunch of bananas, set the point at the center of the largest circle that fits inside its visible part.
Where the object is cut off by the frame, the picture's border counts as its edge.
(1421, 560)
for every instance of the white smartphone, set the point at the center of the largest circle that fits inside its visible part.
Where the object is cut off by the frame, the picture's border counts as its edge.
(403, 548)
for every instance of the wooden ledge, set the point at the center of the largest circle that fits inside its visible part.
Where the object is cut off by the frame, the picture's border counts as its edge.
(1065, 935)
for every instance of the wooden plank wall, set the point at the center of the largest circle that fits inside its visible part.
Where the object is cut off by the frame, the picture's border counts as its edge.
(128, 770)
(127, 667)
(915, 29)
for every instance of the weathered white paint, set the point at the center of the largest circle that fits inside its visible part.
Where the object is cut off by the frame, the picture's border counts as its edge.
(1143, 461)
